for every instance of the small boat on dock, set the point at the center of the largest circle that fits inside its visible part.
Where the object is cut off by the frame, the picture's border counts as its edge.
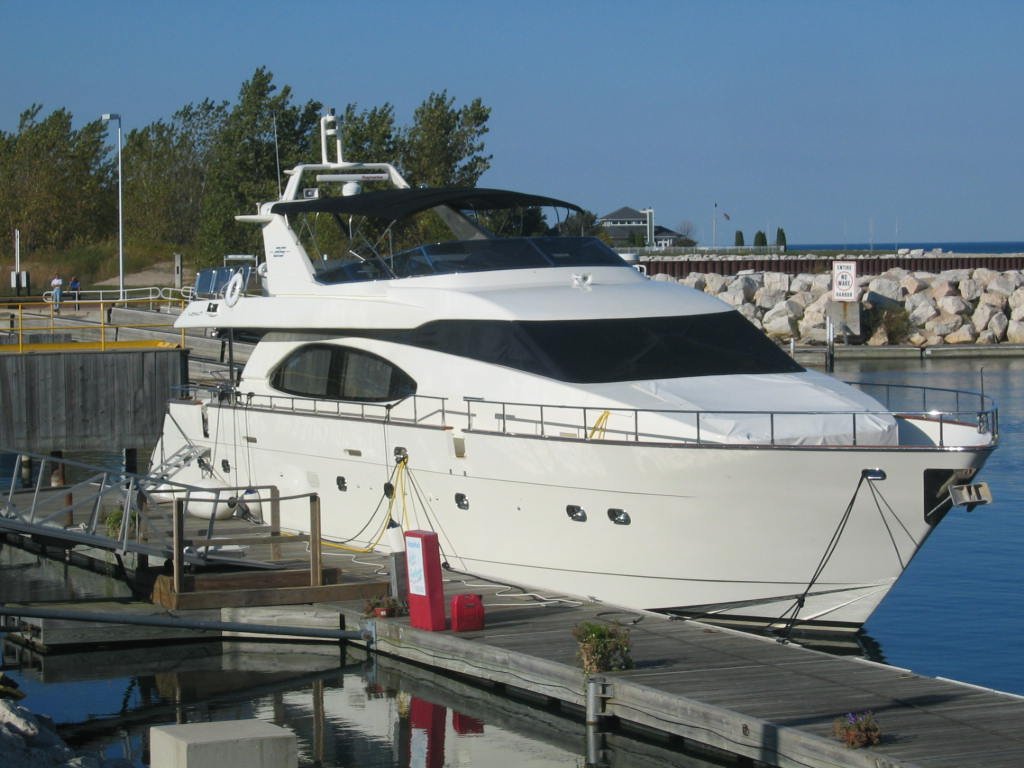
(557, 418)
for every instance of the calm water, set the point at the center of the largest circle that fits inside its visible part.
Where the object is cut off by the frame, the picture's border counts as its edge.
(957, 612)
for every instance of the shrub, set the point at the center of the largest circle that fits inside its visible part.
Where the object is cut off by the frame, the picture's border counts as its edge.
(857, 730)
(602, 647)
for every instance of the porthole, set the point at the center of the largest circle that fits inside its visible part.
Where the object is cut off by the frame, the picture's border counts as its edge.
(576, 514)
(619, 516)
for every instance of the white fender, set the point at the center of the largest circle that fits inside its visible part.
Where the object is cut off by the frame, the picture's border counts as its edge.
(204, 504)
(233, 290)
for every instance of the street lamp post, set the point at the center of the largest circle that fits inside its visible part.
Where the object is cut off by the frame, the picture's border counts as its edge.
(120, 207)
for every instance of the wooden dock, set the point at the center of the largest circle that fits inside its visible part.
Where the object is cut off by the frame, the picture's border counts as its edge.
(742, 694)
(748, 696)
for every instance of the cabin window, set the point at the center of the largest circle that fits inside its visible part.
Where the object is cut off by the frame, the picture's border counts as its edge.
(625, 349)
(330, 372)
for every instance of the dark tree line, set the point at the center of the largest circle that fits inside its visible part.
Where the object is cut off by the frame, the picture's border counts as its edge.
(186, 177)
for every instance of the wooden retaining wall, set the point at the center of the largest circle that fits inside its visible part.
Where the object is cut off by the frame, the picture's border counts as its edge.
(53, 401)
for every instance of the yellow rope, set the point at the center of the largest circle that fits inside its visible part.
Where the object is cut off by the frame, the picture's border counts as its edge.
(399, 488)
(600, 425)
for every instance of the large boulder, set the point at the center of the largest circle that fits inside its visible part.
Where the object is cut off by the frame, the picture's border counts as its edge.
(749, 311)
(952, 305)
(732, 298)
(997, 325)
(28, 740)
(766, 297)
(965, 334)
(984, 275)
(942, 288)
(888, 287)
(944, 324)
(912, 284)
(922, 313)
(954, 275)
(874, 300)
(778, 323)
(982, 315)
(694, 280)
(1016, 299)
(821, 283)
(1001, 284)
(776, 281)
(970, 289)
(997, 300)
(879, 338)
(715, 284)
(915, 300)
(1015, 332)
(802, 282)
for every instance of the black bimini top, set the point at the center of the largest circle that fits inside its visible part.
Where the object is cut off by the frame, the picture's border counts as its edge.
(391, 204)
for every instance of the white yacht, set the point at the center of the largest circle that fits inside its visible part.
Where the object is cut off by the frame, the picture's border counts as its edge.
(561, 421)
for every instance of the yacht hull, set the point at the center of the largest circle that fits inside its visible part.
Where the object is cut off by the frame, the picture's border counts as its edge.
(731, 532)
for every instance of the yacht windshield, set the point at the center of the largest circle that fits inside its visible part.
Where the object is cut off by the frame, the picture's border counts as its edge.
(479, 256)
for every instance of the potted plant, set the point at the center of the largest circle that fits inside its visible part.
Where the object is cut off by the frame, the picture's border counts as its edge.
(382, 606)
(602, 647)
(857, 729)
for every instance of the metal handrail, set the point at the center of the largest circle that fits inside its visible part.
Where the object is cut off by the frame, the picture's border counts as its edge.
(42, 317)
(48, 506)
(984, 419)
(409, 410)
(577, 422)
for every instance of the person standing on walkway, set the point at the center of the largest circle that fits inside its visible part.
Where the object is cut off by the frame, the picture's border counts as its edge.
(57, 286)
(73, 288)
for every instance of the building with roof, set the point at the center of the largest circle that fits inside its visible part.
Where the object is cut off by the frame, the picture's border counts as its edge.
(630, 227)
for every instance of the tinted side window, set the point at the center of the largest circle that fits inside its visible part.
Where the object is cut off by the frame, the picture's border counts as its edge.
(625, 349)
(330, 372)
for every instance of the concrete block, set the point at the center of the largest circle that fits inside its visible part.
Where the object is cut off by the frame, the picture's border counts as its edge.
(226, 744)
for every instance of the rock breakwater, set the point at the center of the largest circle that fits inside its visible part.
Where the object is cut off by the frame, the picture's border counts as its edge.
(956, 306)
(31, 741)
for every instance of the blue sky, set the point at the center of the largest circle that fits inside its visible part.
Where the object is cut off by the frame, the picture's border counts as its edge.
(836, 121)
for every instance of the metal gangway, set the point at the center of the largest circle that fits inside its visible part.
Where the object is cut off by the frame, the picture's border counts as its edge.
(69, 504)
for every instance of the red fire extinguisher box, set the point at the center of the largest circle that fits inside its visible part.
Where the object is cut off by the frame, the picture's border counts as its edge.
(426, 589)
(467, 613)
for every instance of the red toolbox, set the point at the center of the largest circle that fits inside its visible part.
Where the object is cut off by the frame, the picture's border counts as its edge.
(467, 613)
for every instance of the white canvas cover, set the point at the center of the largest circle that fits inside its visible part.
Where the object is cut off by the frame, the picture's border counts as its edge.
(809, 409)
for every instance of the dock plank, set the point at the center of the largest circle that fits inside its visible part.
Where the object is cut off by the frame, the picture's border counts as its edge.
(749, 696)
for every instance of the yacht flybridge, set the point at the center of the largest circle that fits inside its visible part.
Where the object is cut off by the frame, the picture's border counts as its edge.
(558, 419)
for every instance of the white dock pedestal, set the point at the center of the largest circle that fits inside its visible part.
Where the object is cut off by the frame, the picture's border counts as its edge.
(227, 744)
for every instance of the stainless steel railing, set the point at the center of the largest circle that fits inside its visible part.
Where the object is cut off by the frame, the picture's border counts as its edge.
(942, 417)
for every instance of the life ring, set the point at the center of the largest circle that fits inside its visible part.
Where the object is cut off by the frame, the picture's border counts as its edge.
(233, 290)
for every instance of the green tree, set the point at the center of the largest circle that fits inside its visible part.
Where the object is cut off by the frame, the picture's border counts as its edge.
(444, 146)
(780, 237)
(164, 167)
(739, 243)
(583, 224)
(56, 181)
(760, 239)
(370, 136)
(242, 167)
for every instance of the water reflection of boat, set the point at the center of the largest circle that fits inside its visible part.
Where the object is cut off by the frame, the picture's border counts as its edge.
(345, 710)
(562, 421)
